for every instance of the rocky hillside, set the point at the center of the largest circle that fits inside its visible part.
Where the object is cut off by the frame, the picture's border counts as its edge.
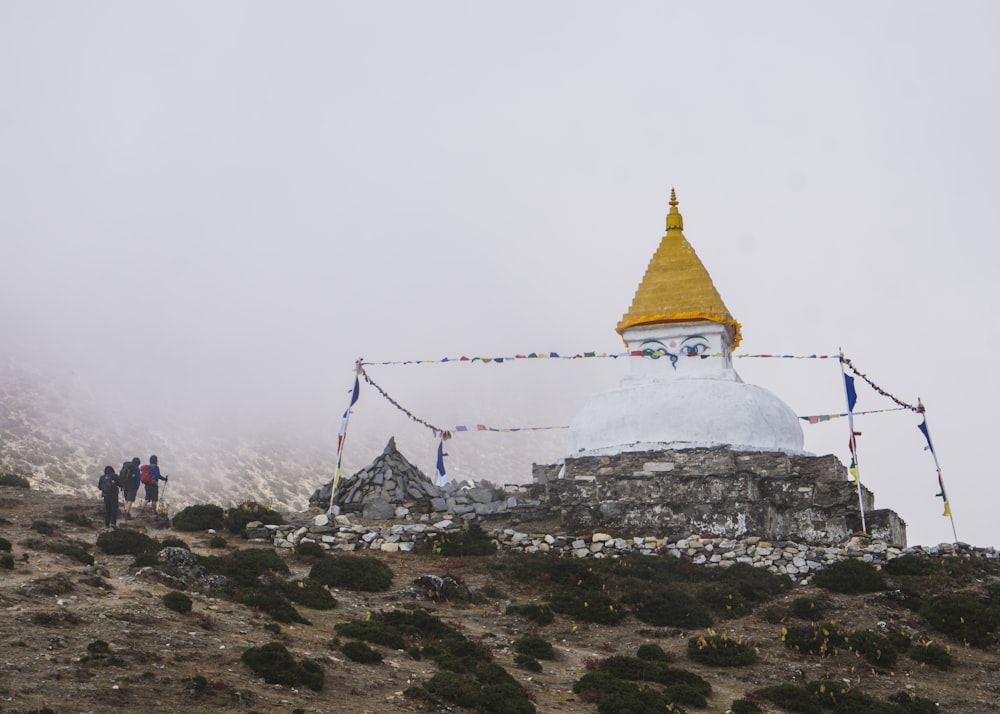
(148, 618)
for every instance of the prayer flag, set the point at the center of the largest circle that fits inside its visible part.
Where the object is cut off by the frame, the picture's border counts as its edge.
(440, 477)
(852, 395)
(923, 429)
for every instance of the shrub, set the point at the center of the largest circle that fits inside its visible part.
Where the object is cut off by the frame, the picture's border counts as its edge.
(851, 577)
(353, 573)
(454, 688)
(685, 694)
(7, 562)
(310, 593)
(652, 653)
(201, 517)
(614, 695)
(875, 648)
(73, 551)
(720, 651)
(127, 542)
(793, 697)
(360, 652)
(177, 601)
(275, 664)
(174, 542)
(821, 639)
(535, 646)
(527, 662)
(274, 604)
(218, 541)
(308, 549)
(673, 608)
(960, 615)
(933, 655)
(744, 706)
(635, 669)
(11, 479)
(539, 614)
(77, 519)
(473, 540)
(827, 692)
(807, 608)
(237, 518)
(912, 704)
(43, 527)
(244, 567)
(5, 545)
(587, 605)
(374, 631)
(491, 689)
(909, 564)
(726, 599)
(460, 654)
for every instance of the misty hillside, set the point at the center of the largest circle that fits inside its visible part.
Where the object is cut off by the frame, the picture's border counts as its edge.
(58, 432)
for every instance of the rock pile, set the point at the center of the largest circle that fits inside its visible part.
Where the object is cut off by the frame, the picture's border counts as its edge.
(392, 487)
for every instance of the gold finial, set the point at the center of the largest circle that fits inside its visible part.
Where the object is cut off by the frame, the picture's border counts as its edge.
(674, 218)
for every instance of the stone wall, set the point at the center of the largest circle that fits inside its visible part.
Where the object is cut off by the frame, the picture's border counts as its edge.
(716, 491)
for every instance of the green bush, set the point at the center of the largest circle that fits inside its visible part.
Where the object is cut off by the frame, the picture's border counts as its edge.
(127, 542)
(720, 651)
(353, 572)
(218, 541)
(472, 540)
(249, 511)
(635, 669)
(459, 654)
(539, 614)
(933, 655)
(73, 551)
(174, 542)
(821, 638)
(827, 692)
(177, 601)
(78, 519)
(310, 593)
(744, 706)
(909, 564)
(614, 696)
(7, 562)
(202, 517)
(308, 549)
(11, 479)
(360, 652)
(672, 608)
(527, 662)
(535, 646)
(807, 608)
(588, 606)
(961, 616)
(5, 545)
(43, 527)
(244, 567)
(375, 631)
(275, 664)
(793, 697)
(491, 689)
(913, 704)
(652, 653)
(274, 604)
(875, 648)
(851, 577)
(726, 599)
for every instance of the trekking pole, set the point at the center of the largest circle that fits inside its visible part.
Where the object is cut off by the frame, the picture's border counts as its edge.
(163, 495)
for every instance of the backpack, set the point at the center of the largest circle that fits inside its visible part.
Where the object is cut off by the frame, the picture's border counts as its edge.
(145, 476)
(125, 475)
(107, 483)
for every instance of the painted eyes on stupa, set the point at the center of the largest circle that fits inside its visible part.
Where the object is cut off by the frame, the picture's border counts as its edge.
(694, 346)
(654, 349)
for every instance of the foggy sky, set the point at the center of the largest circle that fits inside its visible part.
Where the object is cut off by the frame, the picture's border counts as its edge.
(217, 207)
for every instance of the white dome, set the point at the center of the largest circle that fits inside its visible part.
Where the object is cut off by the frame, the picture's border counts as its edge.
(686, 411)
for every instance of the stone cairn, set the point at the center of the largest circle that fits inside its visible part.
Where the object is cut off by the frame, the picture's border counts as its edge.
(392, 487)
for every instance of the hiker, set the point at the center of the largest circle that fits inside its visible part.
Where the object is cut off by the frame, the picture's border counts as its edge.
(108, 483)
(150, 476)
(129, 478)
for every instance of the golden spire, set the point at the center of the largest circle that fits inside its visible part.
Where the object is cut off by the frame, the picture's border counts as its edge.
(676, 286)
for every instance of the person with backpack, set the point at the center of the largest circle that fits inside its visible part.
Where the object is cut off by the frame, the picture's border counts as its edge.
(150, 476)
(108, 484)
(128, 479)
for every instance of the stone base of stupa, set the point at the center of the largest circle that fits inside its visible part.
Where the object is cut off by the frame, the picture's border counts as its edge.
(715, 491)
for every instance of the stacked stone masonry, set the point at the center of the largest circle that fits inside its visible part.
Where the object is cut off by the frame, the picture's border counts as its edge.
(798, 560)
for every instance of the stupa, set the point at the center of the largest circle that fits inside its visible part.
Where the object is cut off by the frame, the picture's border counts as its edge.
(682, 390)
(683, 446)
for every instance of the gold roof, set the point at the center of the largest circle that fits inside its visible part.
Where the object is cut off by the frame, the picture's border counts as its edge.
(676, 286)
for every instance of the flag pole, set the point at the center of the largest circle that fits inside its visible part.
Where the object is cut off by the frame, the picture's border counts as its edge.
(342, 434)
(927, 435)
(855, 469)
